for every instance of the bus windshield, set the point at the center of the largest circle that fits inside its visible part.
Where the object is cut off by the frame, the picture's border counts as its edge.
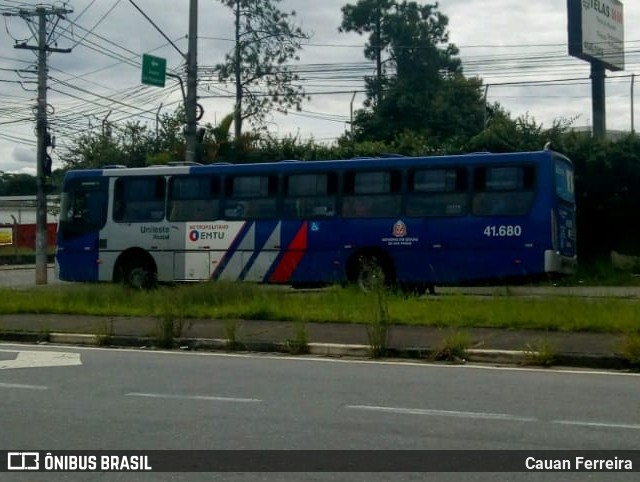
(83, 206)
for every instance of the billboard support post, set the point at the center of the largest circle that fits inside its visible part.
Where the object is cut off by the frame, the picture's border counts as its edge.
(596, 34)
(598, 100)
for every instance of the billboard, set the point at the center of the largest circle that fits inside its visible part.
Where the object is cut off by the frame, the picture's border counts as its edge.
(6, 236)
(596, 31)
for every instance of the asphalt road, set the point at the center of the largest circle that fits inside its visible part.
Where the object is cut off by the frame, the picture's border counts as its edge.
(143, 400)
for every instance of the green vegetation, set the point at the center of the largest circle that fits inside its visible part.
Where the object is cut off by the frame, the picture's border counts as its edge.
(172, 321)
(266, 39)
(104, 333)
(630, 349)
(232, 332)
(299, 344)
(601, 272)
(540, 352)
(453, 347)
(372, 281)
(237, 301)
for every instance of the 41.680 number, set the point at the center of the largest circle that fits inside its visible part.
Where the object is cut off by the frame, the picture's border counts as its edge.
(503, 231)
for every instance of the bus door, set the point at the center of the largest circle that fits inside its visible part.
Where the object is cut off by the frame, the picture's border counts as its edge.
(83, 214)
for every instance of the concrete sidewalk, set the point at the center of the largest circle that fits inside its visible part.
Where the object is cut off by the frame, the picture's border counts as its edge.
(497, 346)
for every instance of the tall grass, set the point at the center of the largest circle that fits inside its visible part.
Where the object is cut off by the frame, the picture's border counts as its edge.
(249, 301)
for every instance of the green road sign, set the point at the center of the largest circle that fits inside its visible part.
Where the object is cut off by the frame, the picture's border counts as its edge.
(154, 70)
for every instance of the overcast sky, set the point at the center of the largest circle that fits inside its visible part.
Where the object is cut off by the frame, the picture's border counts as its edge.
(505, 42)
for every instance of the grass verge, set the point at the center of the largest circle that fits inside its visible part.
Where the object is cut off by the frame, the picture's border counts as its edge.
(239, 301)
(630, 349)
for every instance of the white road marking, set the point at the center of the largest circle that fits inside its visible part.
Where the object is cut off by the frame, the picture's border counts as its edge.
(36, 359)
(24, 387)
(598, 424)
(194, 397)
(444, 413)
(489, 416)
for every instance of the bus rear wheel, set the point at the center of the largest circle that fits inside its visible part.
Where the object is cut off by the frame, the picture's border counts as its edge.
(372, 272)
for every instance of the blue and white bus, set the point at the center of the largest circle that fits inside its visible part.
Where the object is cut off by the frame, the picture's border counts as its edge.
(423, 221)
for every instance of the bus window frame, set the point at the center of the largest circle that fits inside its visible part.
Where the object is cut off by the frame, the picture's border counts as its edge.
(118, 206)
(462, 192)
(483, 200)
(364, 202)
(198, 209)
(245, 204)
(332, 196)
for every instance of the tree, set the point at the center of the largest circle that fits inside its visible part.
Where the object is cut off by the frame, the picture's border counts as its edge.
(265, 40)
(368, 16)
(425, 90)
(92, 149)
(126, 144)
(17, 184)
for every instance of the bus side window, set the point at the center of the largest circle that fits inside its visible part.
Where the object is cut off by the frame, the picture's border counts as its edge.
(193, 198)
(251, 197)
(372, 194)
(437, 192)
(310, 195)
(139, 199)
(503, 191)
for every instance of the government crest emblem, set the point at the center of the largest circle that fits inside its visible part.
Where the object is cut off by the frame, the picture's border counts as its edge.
(399, 229)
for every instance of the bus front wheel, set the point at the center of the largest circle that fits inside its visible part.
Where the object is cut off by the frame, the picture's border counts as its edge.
(138, 272)
(140, 277)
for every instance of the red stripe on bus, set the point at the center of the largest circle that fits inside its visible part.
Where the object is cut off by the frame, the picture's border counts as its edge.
(292, 257)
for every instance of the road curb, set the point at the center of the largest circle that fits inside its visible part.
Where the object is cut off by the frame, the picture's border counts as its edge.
(483, 356)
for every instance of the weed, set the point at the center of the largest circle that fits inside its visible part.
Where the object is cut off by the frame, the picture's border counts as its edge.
(540, 352)
(172, 323)
(630, 349)
(232, 333)
(104, 333)
(378, 327)
(299, 345)
(164, 335)
(453, 347)
(45, 332)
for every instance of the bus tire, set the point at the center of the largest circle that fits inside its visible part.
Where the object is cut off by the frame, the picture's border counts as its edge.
(371, 271)
(137, 270)
(140, 277)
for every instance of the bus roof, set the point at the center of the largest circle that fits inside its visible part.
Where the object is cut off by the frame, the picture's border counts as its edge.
(293, 165)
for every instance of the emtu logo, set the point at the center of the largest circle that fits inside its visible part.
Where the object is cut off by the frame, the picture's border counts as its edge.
(194, 235)
(23, 461)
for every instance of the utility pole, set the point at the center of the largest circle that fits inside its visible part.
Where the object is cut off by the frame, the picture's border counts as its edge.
(191, 98)
(192, 84)
(42, 13)
(633, 81)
